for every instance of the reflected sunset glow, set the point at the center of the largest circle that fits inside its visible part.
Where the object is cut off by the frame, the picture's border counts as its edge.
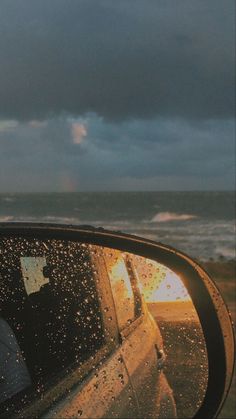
(158, 283)
(170, 289)
(120, 278)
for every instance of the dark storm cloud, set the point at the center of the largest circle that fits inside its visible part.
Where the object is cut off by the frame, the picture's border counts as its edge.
(76, 154)
(119, 59)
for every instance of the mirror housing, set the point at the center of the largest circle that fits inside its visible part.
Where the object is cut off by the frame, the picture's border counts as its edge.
(210, 307)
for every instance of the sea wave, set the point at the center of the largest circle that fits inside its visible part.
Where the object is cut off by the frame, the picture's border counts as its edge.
(7, 199)
(163, 217)
(6, 218)
(226, 252)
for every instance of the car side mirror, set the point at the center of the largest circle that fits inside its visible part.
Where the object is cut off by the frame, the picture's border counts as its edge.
(108, 323)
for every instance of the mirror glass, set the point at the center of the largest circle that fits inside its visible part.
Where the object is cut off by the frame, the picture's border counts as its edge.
(109, 333)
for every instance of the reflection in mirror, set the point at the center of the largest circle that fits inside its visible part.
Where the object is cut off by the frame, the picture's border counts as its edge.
(171, 306)
(68, 306)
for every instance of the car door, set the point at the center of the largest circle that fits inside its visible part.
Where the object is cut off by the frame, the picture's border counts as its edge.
(141, 339)
(107, 391)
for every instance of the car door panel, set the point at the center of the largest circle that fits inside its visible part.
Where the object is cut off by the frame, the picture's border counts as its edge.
(106, 393)
(139, 350)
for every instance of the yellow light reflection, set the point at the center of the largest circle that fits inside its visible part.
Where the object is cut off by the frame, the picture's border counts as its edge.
(170, 289)
(158, 283)
(120, 279)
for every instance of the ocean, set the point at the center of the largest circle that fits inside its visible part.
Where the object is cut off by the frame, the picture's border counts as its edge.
(201, 224)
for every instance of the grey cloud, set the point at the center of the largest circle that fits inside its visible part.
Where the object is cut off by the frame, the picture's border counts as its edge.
(42, 157)
(121, 60)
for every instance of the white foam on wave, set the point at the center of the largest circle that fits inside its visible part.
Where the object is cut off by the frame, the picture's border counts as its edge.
(7, 199)
(163, 217)
(6, 218)
(226, 252)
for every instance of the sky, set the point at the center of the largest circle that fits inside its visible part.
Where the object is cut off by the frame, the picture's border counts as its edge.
(110, 95)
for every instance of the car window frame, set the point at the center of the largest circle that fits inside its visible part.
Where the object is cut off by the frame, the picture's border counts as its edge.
(125, 331)
(138, 301)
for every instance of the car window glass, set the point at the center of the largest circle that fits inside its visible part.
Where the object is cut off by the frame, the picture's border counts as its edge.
(121, 287)
(50, 302)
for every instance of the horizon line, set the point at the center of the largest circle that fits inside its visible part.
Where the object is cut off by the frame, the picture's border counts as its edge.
(115, 191)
